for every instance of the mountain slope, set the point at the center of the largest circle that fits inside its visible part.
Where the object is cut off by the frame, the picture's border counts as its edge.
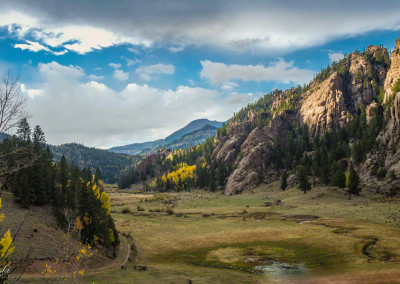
(341, 129)
(173, 141)
(136, 148)
(192, 126)
(109, 163)
(273, 134)
(193, 138)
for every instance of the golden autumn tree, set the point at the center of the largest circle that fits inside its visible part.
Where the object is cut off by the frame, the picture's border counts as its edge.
(6, 248)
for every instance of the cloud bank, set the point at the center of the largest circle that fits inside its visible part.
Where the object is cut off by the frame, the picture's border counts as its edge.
(259, 26)
(72, 107)
(281, 71)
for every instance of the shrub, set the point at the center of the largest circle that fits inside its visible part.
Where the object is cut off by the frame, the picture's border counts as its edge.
(140, 208)
(169, 211)
(126, 210)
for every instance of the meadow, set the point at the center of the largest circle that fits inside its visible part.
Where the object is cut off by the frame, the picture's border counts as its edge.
(262, 236)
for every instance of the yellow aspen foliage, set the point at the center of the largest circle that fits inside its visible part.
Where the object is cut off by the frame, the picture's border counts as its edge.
(78, 224)
(111, 236)
(96, 190)
(48, 271)
(105, 201)
(6, 245)
(87, 220)
(183, 176)
(6, 242)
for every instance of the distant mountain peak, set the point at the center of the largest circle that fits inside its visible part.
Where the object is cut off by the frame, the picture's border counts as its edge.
(208, 128)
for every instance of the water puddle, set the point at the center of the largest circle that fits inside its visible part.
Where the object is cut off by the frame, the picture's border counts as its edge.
(272, 267)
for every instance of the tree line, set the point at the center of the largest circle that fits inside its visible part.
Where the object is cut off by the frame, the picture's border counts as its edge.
(72, 192)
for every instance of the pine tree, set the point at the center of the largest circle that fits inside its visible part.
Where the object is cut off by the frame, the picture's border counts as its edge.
(24, 131)
(63, 174)
(97, 175)
(303, 179)
(284, 180)
(352, 182)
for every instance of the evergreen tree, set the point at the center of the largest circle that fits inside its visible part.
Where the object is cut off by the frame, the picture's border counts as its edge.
(24, 131)
(97, 175)
(284, 180)
(352, 182)
(303, 179)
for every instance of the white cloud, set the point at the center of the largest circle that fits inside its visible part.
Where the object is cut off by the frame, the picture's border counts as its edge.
(131, 62)
(133, 50)
(258, 26)
(32, 93)
(150, 72)
(54, 69)
(240, 99)
(60, 52)
(94, 77)
(36, 47)
(31, 46)
(335, 56)
(121, 75)
(175, 49)
(280, 71)
(69, 109)
(228, 86)
(114, 65)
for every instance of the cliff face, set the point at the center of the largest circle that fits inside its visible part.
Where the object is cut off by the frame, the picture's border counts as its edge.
(394, 72)
(323, 107)
(252, 161)
(327, 103)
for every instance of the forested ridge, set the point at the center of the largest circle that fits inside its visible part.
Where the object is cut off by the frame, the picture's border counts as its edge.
(75, 195)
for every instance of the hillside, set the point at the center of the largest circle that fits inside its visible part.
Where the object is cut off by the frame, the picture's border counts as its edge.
(345, 120)
(193, 138)
(136, 148)
(344, 100)
(192, 126)
(109, 163)
(173, 141)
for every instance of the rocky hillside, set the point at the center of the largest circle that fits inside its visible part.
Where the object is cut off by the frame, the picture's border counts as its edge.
(347, 100)
(346, 121)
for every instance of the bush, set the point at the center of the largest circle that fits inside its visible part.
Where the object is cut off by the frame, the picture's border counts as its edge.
(140, 208)
(126, 210)
(169, 211)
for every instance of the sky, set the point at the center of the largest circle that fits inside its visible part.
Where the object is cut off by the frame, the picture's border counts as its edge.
(108, 73)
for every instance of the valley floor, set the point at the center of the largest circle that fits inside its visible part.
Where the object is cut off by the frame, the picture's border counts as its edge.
(318, 237)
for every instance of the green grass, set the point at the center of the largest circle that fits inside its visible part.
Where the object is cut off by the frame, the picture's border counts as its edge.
(212, 236)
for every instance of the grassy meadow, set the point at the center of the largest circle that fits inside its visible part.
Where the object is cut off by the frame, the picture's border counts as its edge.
(263, 236)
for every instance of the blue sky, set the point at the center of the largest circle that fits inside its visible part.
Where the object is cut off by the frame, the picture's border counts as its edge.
(111, 74)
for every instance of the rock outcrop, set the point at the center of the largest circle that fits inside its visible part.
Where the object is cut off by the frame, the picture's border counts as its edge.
(365, 77)
(394, 72)
(255, 155)
(150, 161)
(323, 107)
(328, 103)
(229, 147)
(371, 111)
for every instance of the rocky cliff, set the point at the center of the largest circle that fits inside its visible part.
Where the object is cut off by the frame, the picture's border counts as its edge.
(328, 103)
(394, 72)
